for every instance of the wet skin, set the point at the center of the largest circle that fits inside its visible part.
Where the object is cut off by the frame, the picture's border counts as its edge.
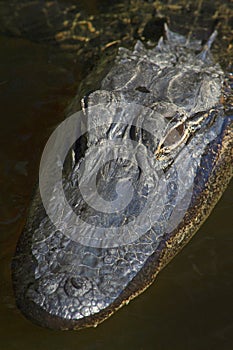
(71, 285)
(50, 286)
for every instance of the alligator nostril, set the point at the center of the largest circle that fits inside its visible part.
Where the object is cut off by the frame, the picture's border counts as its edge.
(77, 286)
(77, 282)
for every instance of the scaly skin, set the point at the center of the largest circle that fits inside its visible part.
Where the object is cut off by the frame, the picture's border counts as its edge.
(69, 285)
(49, 279)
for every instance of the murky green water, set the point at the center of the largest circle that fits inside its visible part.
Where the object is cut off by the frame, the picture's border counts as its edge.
(188, 307)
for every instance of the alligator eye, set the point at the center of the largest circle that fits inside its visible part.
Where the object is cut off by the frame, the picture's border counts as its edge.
(174, 135)
(142, 89)
(173, 139)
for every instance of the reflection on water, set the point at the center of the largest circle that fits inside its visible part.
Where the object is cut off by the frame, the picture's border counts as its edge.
(189, 306)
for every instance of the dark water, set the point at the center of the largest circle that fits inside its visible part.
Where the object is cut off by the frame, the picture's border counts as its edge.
(188, 307)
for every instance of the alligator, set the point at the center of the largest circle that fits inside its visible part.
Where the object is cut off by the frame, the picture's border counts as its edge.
(167, 109)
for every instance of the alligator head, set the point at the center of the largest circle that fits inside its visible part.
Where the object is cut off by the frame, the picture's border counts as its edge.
(152, 161)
